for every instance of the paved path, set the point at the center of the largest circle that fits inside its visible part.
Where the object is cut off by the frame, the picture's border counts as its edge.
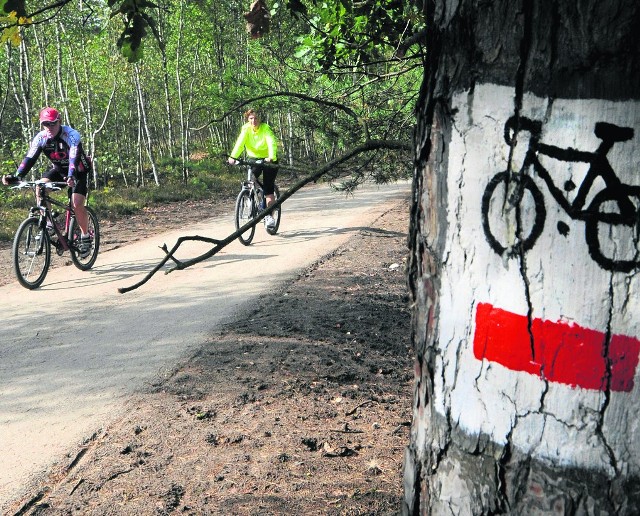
(72, 350)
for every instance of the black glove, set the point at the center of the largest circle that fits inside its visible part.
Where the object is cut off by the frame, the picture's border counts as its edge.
(10, 180)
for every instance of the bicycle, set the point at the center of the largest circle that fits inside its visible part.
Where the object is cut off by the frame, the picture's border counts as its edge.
(250, 203)
(41, 231)
(612, 215)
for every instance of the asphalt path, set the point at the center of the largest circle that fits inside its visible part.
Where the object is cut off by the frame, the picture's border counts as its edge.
(72, 350)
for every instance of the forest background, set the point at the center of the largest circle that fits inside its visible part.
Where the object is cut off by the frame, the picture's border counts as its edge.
(157, 91)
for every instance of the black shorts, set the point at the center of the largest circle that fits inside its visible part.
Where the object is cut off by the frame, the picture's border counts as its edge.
(81, 186)
(269, 178)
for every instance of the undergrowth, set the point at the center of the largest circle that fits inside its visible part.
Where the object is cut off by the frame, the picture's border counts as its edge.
(115, 200)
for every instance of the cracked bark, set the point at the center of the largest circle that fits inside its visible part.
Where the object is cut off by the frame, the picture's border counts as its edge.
(558, 50)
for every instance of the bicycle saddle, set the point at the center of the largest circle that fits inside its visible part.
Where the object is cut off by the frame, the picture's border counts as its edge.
(614, 133)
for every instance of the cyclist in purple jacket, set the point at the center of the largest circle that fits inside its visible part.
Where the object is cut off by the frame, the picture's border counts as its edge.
(62, 145)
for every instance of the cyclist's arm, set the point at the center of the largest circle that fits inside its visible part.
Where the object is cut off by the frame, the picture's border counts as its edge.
(31, 157)
(240, 144)
(272, 143)
(72, 138)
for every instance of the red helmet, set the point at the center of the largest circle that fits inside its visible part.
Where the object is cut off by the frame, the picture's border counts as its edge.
(49, 114)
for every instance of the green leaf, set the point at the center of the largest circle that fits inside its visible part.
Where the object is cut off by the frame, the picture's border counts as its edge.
(131, 54)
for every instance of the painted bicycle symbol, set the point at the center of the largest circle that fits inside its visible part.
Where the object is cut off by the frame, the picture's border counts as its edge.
(612, 219)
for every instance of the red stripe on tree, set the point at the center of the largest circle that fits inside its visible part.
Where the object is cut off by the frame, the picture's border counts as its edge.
(556, 351)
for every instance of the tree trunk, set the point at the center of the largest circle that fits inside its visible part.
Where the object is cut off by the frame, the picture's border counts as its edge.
(20, 83)
(145, 126)
(43, 65)
(524, 258)
(165, 82)
(61, 100)
(183, 128)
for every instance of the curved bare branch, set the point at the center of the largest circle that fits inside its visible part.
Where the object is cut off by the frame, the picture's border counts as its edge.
(301, 96)
(367, 146)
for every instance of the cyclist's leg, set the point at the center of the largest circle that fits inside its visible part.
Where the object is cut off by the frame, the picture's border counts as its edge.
(52, 174)
(269, 183)
(78, 199)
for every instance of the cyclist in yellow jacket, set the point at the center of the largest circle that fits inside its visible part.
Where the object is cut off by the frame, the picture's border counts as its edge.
(258, 141)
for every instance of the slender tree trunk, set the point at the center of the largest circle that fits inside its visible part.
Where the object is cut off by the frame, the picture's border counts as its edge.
(19, 77)
(43, 66)
(187, 120)
(62, 90)
(139, 145)
(183, 128)
(145, 126)
(94, 134)
(165, 83)
(526, 323)
(289, 152)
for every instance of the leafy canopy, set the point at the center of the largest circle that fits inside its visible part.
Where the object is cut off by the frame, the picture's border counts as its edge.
(133, 13)
(12, 21)
(341, 32)
(347, 32)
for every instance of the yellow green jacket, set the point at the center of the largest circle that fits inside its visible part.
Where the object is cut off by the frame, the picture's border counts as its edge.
(259, 144)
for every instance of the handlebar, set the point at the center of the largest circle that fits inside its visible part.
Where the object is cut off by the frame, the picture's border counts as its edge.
(249, 162)
(515, 124)
(51, 185)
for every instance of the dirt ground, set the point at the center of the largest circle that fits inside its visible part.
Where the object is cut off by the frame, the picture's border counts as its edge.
(301, 406)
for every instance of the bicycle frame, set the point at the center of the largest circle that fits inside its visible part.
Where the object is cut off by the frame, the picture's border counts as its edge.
(43, 209)
(599, 167)
(251, 181)
(40, 228)
(252, 196)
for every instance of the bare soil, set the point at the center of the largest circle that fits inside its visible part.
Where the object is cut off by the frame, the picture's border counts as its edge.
(301, 406)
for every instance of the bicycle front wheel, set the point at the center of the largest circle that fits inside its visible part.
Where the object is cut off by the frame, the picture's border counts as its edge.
(31, 253)
(84, 259)
(513, 213)
(244, 214)
(275, 214)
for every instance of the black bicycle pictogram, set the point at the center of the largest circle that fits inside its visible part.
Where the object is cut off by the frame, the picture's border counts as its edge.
(612, 219)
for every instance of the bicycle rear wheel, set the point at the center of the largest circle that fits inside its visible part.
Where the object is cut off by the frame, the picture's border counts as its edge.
(31, 253)
(86, 261)
(275, 214)
(612, 231)
(244, 214)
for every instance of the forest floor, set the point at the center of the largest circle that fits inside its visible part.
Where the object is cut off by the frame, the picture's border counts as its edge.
(300, 406)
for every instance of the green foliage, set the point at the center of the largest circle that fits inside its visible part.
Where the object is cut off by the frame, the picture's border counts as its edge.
(344, 32)
(13, 210)
(13, 21)
(119, 202)
(195, 80)
(113, 203)
(136, 20)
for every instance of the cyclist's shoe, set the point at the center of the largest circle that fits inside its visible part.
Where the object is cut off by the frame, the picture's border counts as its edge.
(84, 249)
(269, 222)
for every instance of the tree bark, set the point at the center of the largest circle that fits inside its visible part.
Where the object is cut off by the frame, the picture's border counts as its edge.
(526, 322)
